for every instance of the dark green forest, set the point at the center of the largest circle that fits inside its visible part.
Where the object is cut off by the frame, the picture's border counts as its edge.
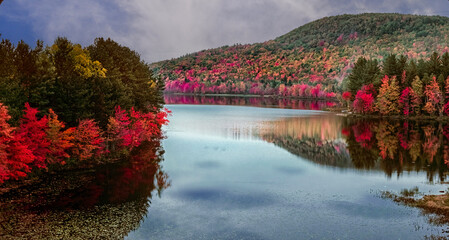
(76, 82)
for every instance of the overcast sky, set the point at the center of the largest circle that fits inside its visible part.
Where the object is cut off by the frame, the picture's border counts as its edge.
(164, 29)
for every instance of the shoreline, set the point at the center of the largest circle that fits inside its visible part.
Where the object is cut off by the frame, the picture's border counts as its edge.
(248, 96)
(342, 111)
(432, 204)
(345, 112)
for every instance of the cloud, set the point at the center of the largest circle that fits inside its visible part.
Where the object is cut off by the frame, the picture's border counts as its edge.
(162, 29)
(177, 27)
(80, 20)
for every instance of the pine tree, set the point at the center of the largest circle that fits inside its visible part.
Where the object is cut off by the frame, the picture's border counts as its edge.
(391, 67)
(445, 65)
(365, 72)
(412, 72)
(434, 65)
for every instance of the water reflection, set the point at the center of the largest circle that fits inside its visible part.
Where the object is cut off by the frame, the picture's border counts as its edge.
(249, 101)
(391, 146)
(233, 178)
(398, 146)
(315, 138)
(108, 202)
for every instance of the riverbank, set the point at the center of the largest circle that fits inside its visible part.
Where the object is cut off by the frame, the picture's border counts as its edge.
(249, 95)
(429, 204)
(342, 111)
(345, 112)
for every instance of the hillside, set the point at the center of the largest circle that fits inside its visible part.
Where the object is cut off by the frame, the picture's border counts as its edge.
(311, 61)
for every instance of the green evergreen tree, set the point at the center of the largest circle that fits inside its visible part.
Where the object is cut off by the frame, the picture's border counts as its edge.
(365, 72)
(445, 65)
(411, 73)
(434, 65)
(391, 66)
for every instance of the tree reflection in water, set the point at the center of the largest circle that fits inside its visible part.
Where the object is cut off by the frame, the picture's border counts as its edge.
(108, 202)
(393, 146)
(249, 101)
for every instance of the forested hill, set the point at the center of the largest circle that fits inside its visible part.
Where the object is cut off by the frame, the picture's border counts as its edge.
(311, 61)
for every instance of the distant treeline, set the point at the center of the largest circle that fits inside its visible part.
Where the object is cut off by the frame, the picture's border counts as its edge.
(400, 87)
(76, 82)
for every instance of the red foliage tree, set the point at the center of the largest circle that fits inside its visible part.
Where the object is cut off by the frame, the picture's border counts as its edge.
(117, 128)
(15, 156)
(131, 130)
(346, 96)
(405, 101)
(33, 133)
(20, 157)
(87, 140)
(364, 100)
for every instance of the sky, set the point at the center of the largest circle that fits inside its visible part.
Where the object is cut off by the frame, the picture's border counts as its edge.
(165, 29)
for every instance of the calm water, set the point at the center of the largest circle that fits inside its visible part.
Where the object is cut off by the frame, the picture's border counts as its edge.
(263, 173)
(244, 172)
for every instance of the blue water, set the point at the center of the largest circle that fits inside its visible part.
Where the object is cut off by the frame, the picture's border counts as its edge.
(229, 180)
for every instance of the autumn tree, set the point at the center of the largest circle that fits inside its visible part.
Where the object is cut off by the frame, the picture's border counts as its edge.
(87, 140)
(131, 130)
(416, 95)
(405, 101)
(433, 98)
(346, 96)
(33, 132)
(5, 138)
(387, 99)
(364, 100)
(61, 140)
(15, 155)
